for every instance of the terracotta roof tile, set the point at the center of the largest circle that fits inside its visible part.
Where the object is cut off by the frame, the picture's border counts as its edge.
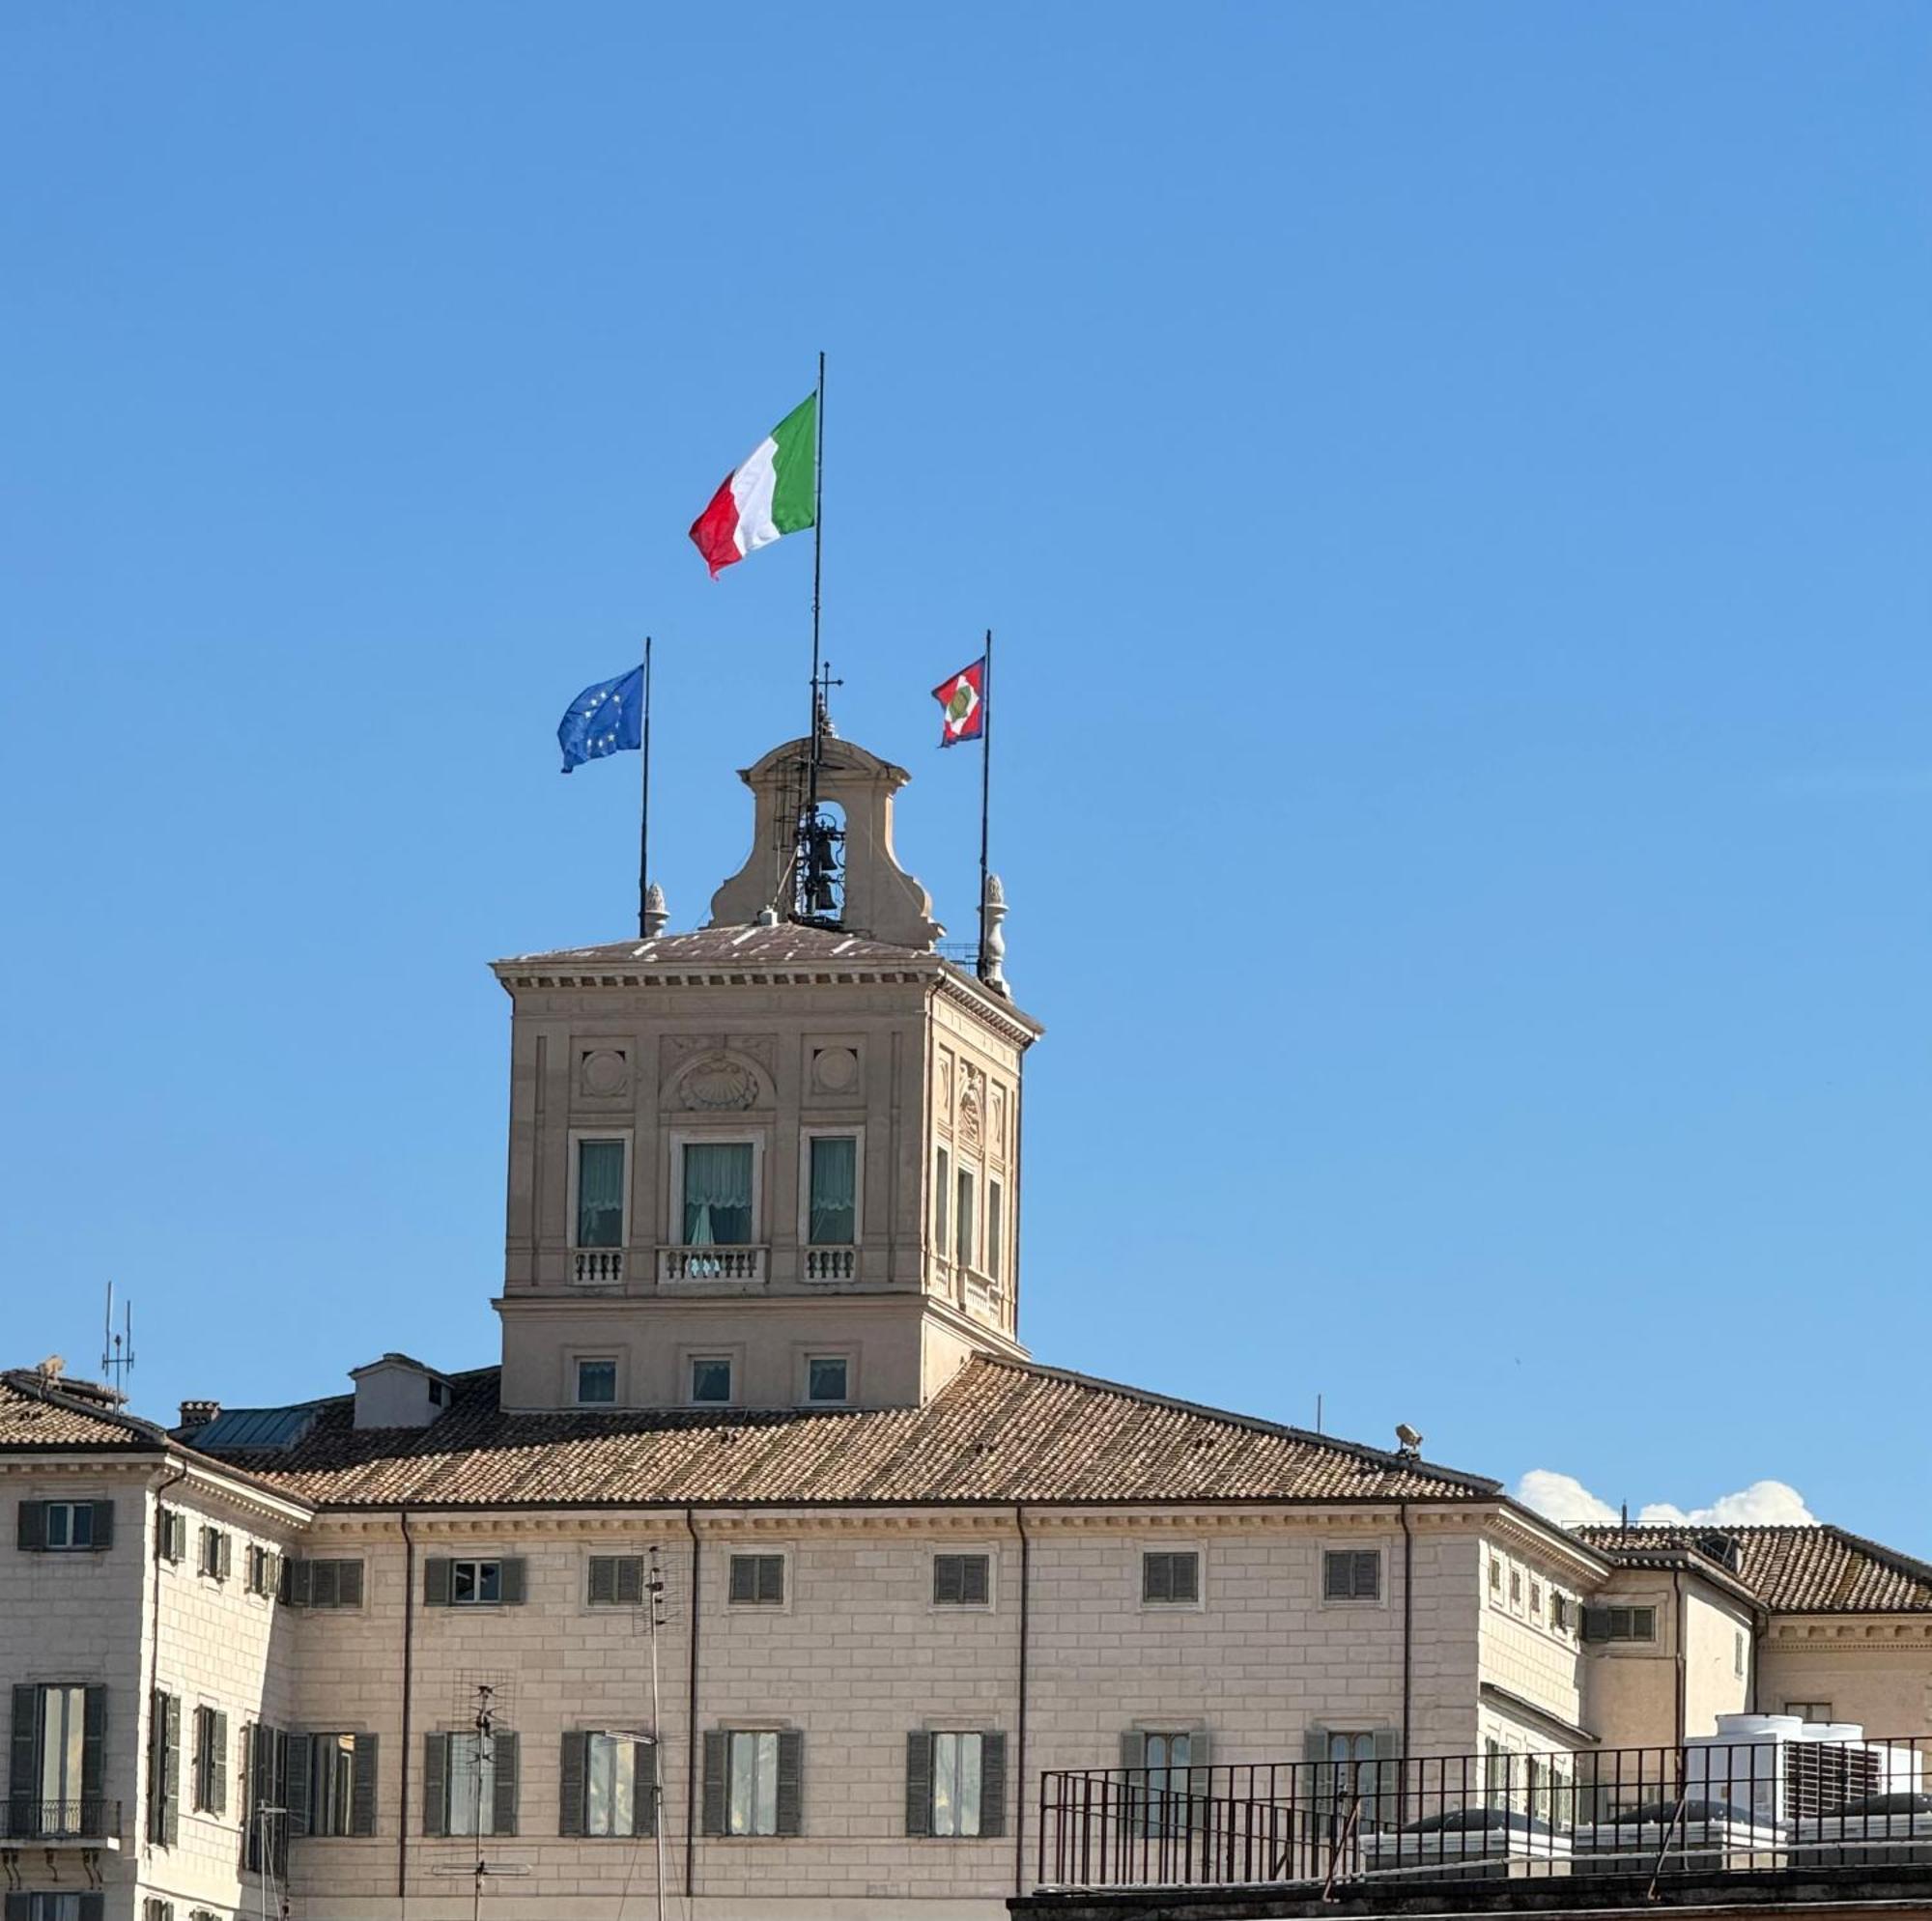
(35, 1414)
(998, 1432)
(1814, 1569)
(787, 943)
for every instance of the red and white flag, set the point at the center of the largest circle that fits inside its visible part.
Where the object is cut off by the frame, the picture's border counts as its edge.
(963, 700)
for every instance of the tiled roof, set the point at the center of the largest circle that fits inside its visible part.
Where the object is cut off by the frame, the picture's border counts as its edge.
(1813, 1570)
(36, 1414)
(998, 1432)
(785, 944)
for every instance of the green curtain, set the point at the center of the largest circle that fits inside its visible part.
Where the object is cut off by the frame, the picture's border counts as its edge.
(835, 1174)
(600, 1194)
(718, 1194)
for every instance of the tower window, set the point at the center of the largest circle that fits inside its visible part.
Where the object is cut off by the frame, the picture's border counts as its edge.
(718, 1194)
(827, 1378)
(941, 1196)
(963, 1222)
(600, 1194)
(995, 1224)
(596, 1383)
(833, 1190)
(710, 1380)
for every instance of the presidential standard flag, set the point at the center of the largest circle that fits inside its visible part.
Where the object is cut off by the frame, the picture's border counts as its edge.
(962, 701)
(775, 493)
(606, 717)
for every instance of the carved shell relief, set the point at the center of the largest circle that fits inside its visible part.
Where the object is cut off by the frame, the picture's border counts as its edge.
(603, 1072)
(718, 1084)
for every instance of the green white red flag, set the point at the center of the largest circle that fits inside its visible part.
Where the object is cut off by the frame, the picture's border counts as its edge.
(962, 702)
(774, 493)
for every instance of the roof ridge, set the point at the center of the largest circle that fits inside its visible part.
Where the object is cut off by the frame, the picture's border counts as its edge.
(29, 1382)
(1360, 1450)
(1894, 1558)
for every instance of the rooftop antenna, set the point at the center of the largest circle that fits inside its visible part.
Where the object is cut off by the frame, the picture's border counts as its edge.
(117, 1350)
(483, 1869)
(654, 1602)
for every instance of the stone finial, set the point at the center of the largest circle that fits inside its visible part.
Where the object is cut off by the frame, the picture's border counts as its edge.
(993, 962)
(657, 916)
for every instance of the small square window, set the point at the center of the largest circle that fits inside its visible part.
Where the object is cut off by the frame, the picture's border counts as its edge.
(596, 1383)
(476, 1583)
(826, 1378)
(757, 1580)
(711, 1381)
(1171, 1580)
(70, 1524)
(1351, 1573)
(961, 1580)
(1632, 1623)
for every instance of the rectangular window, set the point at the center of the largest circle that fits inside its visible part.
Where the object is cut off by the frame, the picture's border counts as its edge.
(472, 1783)
(716, 1193)
(957, 1775)
(331, 1791)
(265, 1570)
(826, 1378)
(961, 1580)
(265, 1828)
(710, 1380)
(1352, 1573)
(171, 1535)
(752, 1802)
(211, 1761)
(600, 1194)
(617, 1785)
(1560, 1612)
(1495, 1577)
(476, 1583)
(963, 1221)
(1516, 1587)
(216, 1546)
(757, 1580)
(60, 1792)
(321, 1583)
(941, 1197)
(834, 1175)
(1171, 1579)
(995, 1229)
(1810, 1711)
(155, 1908)
(70, 1524)
(57, 1907)
(596, 1383)
(616, 1580)
(1169, 1757)
(1632, 1623)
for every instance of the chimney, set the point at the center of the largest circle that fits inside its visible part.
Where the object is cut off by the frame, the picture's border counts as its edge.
(199, 1413)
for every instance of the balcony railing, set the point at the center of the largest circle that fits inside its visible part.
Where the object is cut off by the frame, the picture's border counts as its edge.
(597, 1266)
(741, 1264)
(1729, 1807)
(829, 1264)
(85, 1823)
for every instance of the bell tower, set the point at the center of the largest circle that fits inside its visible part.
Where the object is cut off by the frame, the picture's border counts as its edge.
(774, 1162)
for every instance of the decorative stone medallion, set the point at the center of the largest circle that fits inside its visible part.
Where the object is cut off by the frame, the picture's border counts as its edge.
(835, 1070)
(603, 1073)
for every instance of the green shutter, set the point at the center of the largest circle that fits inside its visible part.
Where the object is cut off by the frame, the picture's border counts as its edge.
(301, 1752)
(644, 1802)
(298, 1581)
(324, 1583)
(94, 1745)
(224, 1551)
(104, 1525)
(631, 1581)
(772, 1579)
(362, 1789)
(791, 1780)
(602, 1592)
(513, 1584)
(992, 1786)
(717, 1743)
(23, 1768)
(919, 1784)
(165, 1790)
(217, 1768)
(436, 1784)
(570, 1779)
(505, 1800)
(33, 1535)
(436, 1581)
(349, 1585)
(744, 1579)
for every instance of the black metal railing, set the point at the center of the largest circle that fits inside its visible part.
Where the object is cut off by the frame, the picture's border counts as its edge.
(59, 1820)
(1736, 1806)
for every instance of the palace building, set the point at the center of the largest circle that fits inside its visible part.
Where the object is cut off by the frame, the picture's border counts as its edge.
(767, 1573)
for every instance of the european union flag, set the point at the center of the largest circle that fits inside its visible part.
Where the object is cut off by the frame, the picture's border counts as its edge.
(606, 717)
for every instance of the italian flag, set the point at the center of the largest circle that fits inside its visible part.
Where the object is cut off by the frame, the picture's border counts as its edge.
(772, 494)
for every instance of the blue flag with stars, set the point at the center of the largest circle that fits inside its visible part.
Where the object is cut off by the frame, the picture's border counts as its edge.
(606, 717)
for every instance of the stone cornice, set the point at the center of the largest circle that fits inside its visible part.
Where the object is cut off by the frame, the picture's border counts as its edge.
(1853, 1634)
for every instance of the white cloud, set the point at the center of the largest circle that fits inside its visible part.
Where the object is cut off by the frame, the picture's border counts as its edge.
(1564, 1499)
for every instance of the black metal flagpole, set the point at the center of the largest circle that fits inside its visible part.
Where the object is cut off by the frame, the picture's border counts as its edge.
(645, 813)
(817, 557)
(985, 787)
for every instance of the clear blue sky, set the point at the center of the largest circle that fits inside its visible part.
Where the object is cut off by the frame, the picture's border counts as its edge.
(1451, 484)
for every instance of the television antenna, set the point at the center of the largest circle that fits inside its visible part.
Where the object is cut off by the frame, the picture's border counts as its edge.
(483, 1869)
(117, 1350)
(654, 1603)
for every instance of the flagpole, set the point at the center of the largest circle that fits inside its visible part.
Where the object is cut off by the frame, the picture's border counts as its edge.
(986, 788)
(817, 556)
(644, 811)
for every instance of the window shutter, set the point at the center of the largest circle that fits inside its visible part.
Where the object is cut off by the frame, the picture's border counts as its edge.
(1200, 1753)
(506, 1803)
(1369, 1575)
(976, 1584)
(93, 1743)
(603, 1594)
(93, 1907)
(631, 1581)
(217, 1762)
(772, 1578)
(744, 1578)
(171, 1770)
(104, 1525)
(992, 1786)
(791, 1779)
(949, 1587)
(323, 1584)
(22, 1772)
(300, 1753)
(919, 1784)
(19, 1907)
(1133, 1749)
(33, 1526)
(157, 1737)
(363, 1791)
(436, 1581)
(644, 1802)
(296, 1581)
(570, 1780)
(224, 1551)
(1596, 1624)
(349, 1584)
(1321, 1776)
(436, 1784)
(514, 1585)
(717, 1745)
(1334, 1576)
(1186, 1577)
